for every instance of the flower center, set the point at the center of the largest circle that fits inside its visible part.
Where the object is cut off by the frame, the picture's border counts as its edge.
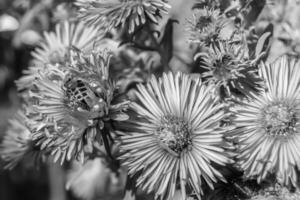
(279, 119)
(203, 22)
(222, 71)
(174, 134)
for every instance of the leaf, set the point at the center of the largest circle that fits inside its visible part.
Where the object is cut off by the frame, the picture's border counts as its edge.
(261, 43)
(166, 42)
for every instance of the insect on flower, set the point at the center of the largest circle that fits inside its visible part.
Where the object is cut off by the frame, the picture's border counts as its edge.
(76, 105)
(84, 96)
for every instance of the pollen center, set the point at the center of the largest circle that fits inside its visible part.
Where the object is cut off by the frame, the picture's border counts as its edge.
(173, 134)
(222, 71)
(279, 119)
(203, 22)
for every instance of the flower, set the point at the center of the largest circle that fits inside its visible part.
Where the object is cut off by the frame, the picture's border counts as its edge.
(64, 141)
(115, 13)
(17, 143)
(176, 136)
(77, 102)
(206, 25)
(56, 46)
(230, 70)
(268, 132)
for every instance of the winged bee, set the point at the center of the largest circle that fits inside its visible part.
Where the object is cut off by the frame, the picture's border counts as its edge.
(84, 96)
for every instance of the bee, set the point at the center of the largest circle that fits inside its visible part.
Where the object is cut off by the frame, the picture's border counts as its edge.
(84, 96)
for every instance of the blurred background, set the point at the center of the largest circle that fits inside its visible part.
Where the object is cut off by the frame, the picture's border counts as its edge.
(21, 26)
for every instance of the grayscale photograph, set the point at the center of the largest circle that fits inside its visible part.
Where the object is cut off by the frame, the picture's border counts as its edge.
(149, 99)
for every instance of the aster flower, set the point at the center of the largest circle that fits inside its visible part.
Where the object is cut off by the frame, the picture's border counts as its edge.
(17, 143)
(176, 137)
(268, 132)
(230, 70)
(76, 103)
(116, 13)
(56, 46)
(205, 25)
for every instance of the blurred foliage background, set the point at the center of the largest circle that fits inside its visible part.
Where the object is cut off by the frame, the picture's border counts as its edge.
(22, 23)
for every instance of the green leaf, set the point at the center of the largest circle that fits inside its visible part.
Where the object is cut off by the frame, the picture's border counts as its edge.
(166, 42)
(261, 43)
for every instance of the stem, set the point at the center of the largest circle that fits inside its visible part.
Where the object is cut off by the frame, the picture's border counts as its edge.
(56, 182)
(160, 50)
(114, 164)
